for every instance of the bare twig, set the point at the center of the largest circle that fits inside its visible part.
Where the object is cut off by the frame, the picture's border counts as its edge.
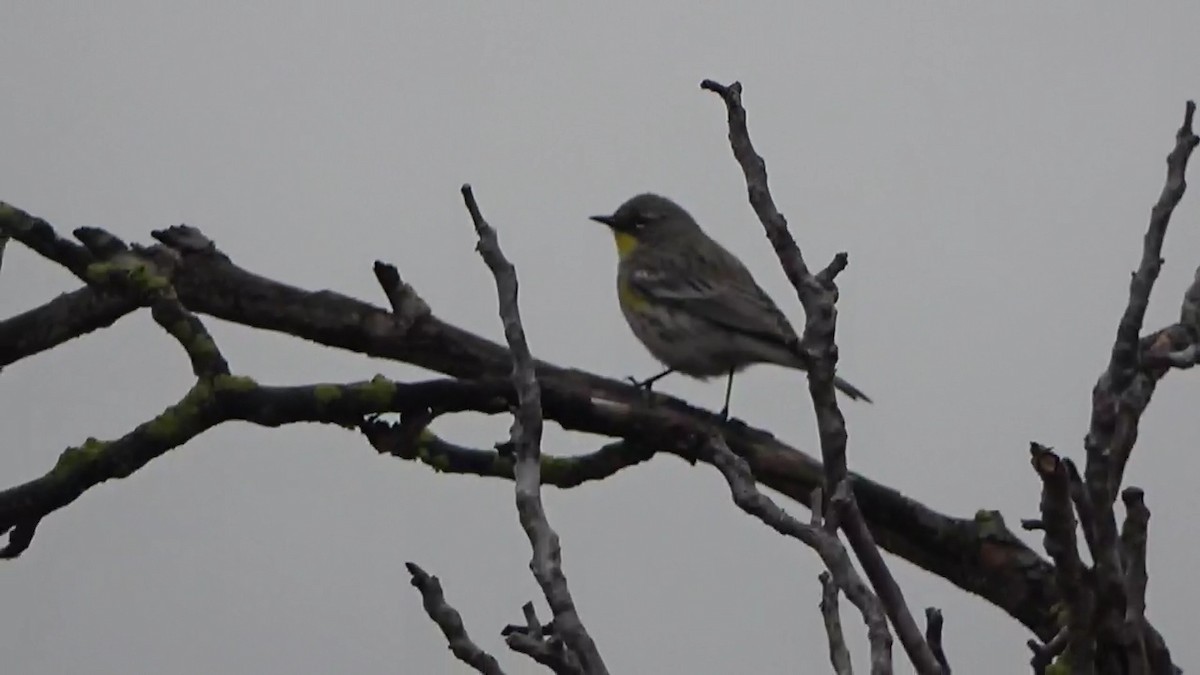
(816, 516)
(554, 656)
(1044, 654)
(448, 619)
(63, 318)
(839, 654)
(526, 438)
(748, 498)
(541, 643)
(406, 304)
(933, 635)
(818, 294)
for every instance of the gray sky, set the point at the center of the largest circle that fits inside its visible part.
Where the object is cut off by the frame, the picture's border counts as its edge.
(989, 171)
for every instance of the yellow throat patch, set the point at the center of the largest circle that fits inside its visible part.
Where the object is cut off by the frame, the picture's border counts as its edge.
(625, 243)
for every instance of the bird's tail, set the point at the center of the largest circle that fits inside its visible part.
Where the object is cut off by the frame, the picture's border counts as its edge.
(853, 392)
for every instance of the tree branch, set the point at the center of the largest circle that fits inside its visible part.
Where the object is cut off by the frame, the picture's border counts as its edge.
(749, 499)
(979, 554)
(137, 277)
(839, 654)
(561, 471)
(542, 644)
(209, 403)
(1133, 559)
(933, 636)
(1123, 391)
(818, 294)
(1044, 655)
(1123, 360)
(407, 306)
(41, 238)
(64, 318)
(1058, 521)
(526, 438)
(449, 620)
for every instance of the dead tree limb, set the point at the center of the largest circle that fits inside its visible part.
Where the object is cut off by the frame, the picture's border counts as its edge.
(978, 554)
(839, 654)
(527, 439)
(450, 622)
(818, 294)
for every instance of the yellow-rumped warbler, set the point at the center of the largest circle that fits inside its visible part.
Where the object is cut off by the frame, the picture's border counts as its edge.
(693, 304)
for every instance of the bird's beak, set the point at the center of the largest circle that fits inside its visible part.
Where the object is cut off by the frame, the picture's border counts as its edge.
(607, 220)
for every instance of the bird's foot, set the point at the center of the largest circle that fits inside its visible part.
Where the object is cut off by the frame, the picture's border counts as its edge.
(646, 386)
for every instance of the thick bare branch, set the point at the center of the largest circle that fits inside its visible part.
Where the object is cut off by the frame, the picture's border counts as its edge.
(839, 654)
(527, 438)
(64, 318)
(138, 277)
(1133, 558)
(449, 621)
(977, 554)
(40, 237)
(818, 294)
(1058, 521)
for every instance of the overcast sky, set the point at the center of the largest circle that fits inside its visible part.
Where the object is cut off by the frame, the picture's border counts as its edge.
(990, 171)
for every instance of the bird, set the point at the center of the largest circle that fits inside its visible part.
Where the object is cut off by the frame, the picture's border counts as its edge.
(691, 303)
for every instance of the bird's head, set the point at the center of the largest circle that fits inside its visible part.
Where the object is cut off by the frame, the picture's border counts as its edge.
(647, 218)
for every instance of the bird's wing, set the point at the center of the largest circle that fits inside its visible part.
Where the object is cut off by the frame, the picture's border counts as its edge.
(716, 287)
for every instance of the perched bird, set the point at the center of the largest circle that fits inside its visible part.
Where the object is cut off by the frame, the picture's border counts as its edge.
(693, 304)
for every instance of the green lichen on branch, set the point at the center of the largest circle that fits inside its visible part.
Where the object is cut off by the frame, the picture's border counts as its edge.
(134, 272)
(555, 469)
(326, 394)
(182, 420)
(197, 343)
(202, 346)
(438, 461)
(990, 522)
(233, 383)
(75, 457)
(378, 393)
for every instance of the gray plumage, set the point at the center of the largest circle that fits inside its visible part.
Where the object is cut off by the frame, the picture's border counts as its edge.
(692, 303)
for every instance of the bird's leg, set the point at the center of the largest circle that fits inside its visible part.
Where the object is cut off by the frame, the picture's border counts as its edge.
(648, 383)
(728, 393)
